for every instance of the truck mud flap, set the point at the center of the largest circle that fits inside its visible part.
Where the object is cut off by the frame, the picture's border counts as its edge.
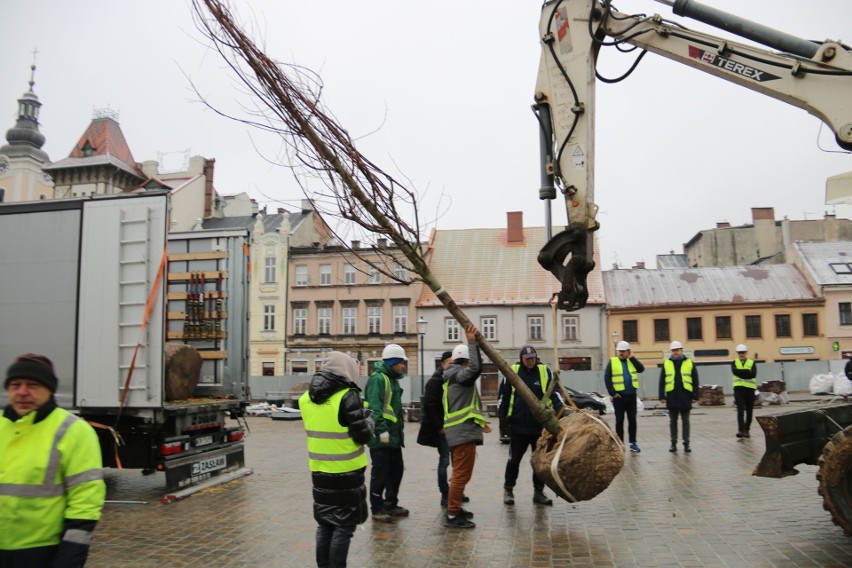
(184, 472)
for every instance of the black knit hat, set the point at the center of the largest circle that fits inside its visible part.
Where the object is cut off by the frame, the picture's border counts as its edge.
(446, 355)
(32, 366)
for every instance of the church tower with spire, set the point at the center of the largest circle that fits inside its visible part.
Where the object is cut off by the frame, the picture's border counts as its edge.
(22, 177)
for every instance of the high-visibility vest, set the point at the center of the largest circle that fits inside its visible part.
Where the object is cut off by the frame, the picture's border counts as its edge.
(472, 411)
(748, 365)
(387, 409)
(330, 447)
(542, 375)
(51, 471)
(685, 374)
(618, 374)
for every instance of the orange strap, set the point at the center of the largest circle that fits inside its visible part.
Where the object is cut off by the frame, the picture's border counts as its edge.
(116, 437)
(148, 307)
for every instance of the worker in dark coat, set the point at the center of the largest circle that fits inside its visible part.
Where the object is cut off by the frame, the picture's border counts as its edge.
(678, 389)
(432, 423)
(338, 426)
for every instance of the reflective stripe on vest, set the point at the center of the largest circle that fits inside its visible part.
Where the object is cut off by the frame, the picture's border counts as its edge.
(472, 411)
(387, 409)
(685, 374)
(542, 375)
(739, 382)
(330, 448)
(618, 374)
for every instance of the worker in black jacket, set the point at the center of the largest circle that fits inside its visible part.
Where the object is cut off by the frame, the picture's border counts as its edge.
(432, 423)
(523, 426)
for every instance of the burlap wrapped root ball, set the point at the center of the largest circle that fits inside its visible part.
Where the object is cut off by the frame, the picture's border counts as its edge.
(582, 460)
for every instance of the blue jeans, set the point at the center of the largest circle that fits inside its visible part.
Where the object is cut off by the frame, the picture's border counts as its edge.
(443, 464)
(385, 478)
(333, 545)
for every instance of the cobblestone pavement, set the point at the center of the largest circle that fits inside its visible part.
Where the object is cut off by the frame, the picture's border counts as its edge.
(699, 509)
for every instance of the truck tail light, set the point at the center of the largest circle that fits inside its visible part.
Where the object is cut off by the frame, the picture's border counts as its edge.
(235, 435)
(171, 448)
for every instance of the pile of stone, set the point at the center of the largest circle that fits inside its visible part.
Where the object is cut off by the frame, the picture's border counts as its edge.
(775, 386)
(711, 395)
(772, 392)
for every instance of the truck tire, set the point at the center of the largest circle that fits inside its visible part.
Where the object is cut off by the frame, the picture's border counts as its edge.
(835, 479)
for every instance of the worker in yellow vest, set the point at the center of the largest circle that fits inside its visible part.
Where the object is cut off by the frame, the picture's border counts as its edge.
(745, 386)
(621, 378)
(52, 489)
(337, 426)
(678, 389)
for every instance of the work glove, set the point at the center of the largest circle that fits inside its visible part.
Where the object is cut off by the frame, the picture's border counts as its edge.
(384, 438)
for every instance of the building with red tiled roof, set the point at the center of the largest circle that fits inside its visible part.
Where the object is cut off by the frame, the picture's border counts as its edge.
(494, 276)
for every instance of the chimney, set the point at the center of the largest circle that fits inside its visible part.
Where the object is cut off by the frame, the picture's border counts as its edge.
(515, 229)
(723, 225)
(281, 211)
(640, 265)
(307, 206)
(356, 245)
(762, 214)
(381, 243)
(209, 166)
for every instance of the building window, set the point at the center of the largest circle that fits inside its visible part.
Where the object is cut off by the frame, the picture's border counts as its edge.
(693, 329)
(268, 369)
(630, 331)
(753, 327)
(400, 319)
(348, 274)
(350, 315)
(300, 321)
(723, 327)
(661, 330)
(782, 325)
(399, 271)
(810, 325)
(374, 319)
(844, 310)
(325, 274)
(269, 273)
(571, 328)
(302, 275)
(268, 318)
(375, 276)
(488, 328)
(298, 367)
(535, 328)
(452, 328)
(324, 321)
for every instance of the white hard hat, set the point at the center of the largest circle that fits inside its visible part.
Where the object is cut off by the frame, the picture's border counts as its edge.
(622, 346)
(394, 351)
(461, 352)
(741, 348)
(676, 345)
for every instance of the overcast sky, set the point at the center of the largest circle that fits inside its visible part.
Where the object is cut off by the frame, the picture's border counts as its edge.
(439, 94)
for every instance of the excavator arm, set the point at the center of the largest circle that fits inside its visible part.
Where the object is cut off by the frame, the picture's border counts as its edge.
(815, 76)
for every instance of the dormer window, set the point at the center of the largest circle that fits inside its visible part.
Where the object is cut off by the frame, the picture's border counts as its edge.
(88, 150)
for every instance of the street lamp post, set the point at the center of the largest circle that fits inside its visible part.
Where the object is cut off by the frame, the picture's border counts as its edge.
(422, 324)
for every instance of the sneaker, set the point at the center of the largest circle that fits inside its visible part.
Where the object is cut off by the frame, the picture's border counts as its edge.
(465, 514)
(508, 497)
(673, 448)
(397, 511)
(382, 517)
(458, 522)
(540, 498)
(465, 499)
(634, 447)
(686, 447)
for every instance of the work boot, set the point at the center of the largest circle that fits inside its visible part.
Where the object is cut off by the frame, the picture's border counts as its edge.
(396, 511)
(740, 434)
(686, 447)
(539, 498)
(382, 517)
(508, 497)
(746, 434)
(465, 514)
(465, 499)
(673, 447)
(459, 522)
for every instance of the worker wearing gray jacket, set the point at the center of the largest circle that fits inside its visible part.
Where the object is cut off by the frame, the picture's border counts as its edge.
(463, 424)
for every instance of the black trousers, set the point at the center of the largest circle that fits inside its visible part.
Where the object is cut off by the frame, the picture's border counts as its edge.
(517, 448)
(744, 399)
(625, 404)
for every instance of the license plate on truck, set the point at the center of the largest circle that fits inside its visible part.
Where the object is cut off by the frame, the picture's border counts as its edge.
(182, 472)
(202, 441)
